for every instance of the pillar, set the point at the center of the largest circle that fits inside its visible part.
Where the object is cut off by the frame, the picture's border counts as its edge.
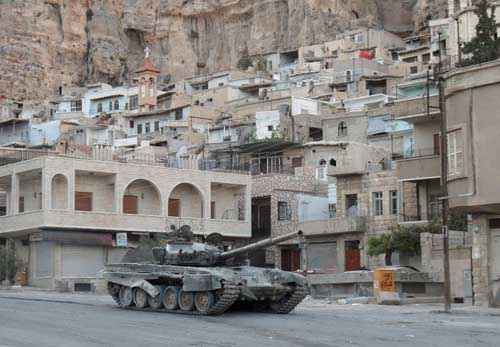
(46, 190)
(478, 225)
(71, 190)
(248, 203)
(207, 201)
(14, 194)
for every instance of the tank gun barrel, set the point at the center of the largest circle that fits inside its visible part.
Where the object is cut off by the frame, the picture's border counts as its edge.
(260, 244)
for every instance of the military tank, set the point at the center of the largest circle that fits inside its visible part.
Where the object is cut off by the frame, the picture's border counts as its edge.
(193, 278)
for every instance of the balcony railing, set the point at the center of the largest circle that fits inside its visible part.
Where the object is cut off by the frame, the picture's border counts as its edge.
(9, 156)
(421, 152)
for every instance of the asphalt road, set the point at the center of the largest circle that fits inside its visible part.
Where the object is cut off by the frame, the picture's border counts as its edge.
(45, 320)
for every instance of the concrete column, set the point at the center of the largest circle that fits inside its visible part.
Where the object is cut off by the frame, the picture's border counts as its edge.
(478, 225)
(46, 190)
(71, 190)
(14, 194)
(208, 201)
(248, 203)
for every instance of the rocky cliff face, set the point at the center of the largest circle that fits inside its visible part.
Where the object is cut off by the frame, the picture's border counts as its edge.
(48, 43)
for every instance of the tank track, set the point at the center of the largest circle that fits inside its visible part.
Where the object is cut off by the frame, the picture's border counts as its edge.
(230, 294)
(288, 304)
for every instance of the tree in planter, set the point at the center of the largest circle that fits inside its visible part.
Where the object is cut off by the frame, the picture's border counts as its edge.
(486, 45)
(8, 263)
(401, 239)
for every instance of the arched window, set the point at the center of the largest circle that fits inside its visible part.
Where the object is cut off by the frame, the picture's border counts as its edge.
(322, 162)
(342, 129)
(117, 105)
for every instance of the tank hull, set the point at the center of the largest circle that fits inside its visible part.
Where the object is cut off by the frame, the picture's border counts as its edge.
(203, 290)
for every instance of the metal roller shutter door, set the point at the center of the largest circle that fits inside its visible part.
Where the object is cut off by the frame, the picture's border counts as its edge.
(82, 261)
(43, 266)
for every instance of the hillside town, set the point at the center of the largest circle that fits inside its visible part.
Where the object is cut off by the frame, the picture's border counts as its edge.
(341, 140)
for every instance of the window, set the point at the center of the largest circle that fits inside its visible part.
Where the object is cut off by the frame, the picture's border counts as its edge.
(351, 205)
(131, 124)
(322, 170)
(348, 75)
(111, 105)
(99, 107)
(134, 102)
(117, 105)
(342, 129)
(426, 58)
(437, 144)
(76, 106)
(157, 125)
(147, 128)
(139, 128)
(333, 162)
(455, 153)
(414, 69)
(178, 114)
(332, 210)
(21, 204)
(394, 202)
(270, 128)
(377, 200)
(284, 212)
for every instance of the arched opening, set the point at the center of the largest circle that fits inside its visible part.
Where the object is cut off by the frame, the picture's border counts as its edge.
(59, 192)
(333, 162)
(141, 197)
(185, 200)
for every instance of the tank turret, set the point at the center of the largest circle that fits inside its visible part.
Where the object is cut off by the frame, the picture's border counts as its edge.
(181, 250)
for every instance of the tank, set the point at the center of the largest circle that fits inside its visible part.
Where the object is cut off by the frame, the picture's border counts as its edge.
(189, 277)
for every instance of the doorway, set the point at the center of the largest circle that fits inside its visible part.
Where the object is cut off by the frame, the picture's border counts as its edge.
(290, 259)
(352, 255)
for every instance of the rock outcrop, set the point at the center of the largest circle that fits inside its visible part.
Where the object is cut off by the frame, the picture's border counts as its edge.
(49, 43)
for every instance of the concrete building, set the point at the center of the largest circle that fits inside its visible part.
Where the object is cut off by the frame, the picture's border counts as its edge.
(65, 213)
(472, 104)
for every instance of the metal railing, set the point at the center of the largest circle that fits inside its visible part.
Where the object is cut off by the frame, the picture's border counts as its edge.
(421, 152)
(9, 156)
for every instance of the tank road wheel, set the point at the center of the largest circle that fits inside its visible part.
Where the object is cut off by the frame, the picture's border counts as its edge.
(140, 298)
(126, 296)
(203, 301)
(170, 298)
(186, 300)
(156, 302)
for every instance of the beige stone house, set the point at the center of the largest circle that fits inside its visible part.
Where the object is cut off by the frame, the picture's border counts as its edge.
(66, 214)
(473, 130)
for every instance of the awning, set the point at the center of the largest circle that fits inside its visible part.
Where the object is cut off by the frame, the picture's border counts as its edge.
(74, 237)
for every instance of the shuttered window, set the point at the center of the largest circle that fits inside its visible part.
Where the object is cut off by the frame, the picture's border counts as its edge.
(83, 201)
(455, 153)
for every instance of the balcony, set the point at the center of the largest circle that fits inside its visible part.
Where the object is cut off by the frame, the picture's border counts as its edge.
(110, 221)
(420, 164)
(340, 225)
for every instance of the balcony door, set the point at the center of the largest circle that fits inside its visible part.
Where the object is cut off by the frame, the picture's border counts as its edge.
(130, 204)
(174, 207)
(83, 201)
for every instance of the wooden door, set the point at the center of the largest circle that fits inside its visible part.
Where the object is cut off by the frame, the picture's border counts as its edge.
(83, 201)
(352, 256)
(174, 207)
(130, 204)
(290, 259)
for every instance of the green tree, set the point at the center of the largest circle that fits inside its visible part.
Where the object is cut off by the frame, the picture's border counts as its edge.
(485, 46)
(401, 239)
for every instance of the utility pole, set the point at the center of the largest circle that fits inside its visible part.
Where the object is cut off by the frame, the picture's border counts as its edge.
(444, 188)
